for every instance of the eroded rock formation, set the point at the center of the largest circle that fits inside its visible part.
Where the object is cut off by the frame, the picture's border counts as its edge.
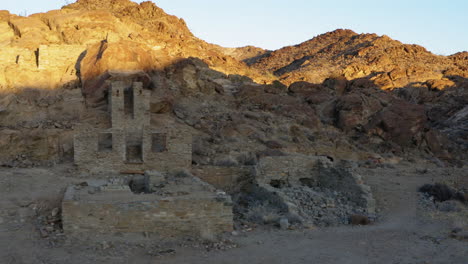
(341, 94)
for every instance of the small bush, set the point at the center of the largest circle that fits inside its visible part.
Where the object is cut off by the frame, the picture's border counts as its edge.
(442, 192)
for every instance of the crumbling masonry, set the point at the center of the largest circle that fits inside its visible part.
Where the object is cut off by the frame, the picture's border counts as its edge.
(167, 201)
(131, 144)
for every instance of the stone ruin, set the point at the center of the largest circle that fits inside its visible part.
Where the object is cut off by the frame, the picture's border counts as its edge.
(314, 190)
(131, 144)
(175, 206)
(147, 187)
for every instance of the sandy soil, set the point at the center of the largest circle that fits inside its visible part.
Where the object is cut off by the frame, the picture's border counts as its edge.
(406, 232)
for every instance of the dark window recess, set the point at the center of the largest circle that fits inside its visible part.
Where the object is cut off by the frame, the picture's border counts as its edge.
(278, 184)
(134, 148)
(104, 142)
(140, 184)
(309, 182)
(36, 53)
(128, 102)
(158, 142)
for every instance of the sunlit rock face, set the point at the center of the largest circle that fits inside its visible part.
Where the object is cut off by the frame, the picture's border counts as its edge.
(341, 94)
(46, 50)
(104, 57)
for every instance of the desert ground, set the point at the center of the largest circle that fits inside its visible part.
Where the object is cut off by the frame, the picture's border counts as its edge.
(409, 228)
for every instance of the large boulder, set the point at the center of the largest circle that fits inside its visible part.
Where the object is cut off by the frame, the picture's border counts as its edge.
(104, 60)
(440, 84)
(401, 122)
(192, 76)
(354, 109)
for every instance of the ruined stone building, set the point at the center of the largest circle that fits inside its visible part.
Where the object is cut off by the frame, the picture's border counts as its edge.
(131, 144)
(144, 188)
(45, 66)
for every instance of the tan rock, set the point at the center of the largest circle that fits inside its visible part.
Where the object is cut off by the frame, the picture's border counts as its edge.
(440, 84)
(6, 34)
(105, 59)
(88, 27)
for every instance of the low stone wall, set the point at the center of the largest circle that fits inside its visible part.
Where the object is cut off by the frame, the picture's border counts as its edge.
(224, 178)
(35, 145)
(115, 209)
(289, 169)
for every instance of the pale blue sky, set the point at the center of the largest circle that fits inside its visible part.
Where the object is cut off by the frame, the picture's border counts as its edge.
(440, 26)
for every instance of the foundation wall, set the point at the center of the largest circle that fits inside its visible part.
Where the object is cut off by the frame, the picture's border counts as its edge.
(225, 178)
(198, 214)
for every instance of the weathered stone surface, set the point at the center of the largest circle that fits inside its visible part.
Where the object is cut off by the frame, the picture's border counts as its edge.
(401, 122)
(225, 178)
(187, 207)
(354, 110)
(79, 28)
(45, 67)
(304, 189)
(162, 148)
(440, 84)
(297, 170)
(125, 57)
(438, 144)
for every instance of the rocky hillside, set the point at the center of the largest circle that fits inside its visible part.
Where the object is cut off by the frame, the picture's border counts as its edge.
(151, 39)
(345, 59)
(348, 96)
(389, 63)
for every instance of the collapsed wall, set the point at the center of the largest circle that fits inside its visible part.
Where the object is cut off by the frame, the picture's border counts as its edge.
(304, 189)
(314, 171)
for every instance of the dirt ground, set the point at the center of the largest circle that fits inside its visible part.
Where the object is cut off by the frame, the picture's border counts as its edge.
(406, 231)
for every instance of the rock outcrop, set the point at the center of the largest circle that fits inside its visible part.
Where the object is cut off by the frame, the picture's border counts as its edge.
(389, 63)
(341, 95)
(135, 30)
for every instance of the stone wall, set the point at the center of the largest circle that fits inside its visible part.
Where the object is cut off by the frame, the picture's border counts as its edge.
(134, 145)
(177, 155)
(12, 57)
(115, 209)
(289, 169)
(25, 146)
(140, 114)
(59, 56)
(225, 178)
(45, 67)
